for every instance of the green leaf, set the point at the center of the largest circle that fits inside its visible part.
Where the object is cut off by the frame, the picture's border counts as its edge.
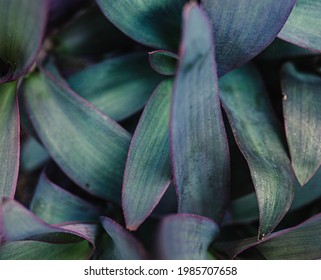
(163, 62)
(186, 237)
(123, 245)
(56, 205)
(303, 26)
(301, 105)
(151, 22)
(244, 28)
(22, 25)
(148, 169)
(199, 147)
(119, 87)
(259, 137)
(88, 146)
(9, 139)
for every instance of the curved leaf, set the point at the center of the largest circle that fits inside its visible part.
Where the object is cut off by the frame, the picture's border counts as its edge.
(163, 62)
(119, 87)
(186, 237)
(259, 137)
(124, 246)
(148, 170)
(303, 26)
(22, 25)
(150, 22)
(239, 34)
(56, 205)
(9, 139)
(88, 146)
(199, 148)
(301, 106)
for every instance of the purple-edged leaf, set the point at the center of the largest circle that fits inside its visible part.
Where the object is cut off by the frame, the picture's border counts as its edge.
(25, 236)
(56, 205)
(168, 203)
(300, 242)
(259, 137)
(148, 169)
(163, 62)
(244, 28)
(186, 237)
(9, 139)
(303, 26)
(301, 106)
(199, 148)
(119, 87)
(22, 25)
(88, 146)
(151, 22)
(124, 245)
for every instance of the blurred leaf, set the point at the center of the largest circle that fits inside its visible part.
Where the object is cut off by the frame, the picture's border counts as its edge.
(148, 170)
(244, 28)
(56, 205)
(163, 62)
(124, 246)
(301, 105)
(22, 25)
(258, 134)
(88, 146)
(119, 87)
(186, 237)
(199, 147)
(9, 139)
(303, 25)
(151, 22)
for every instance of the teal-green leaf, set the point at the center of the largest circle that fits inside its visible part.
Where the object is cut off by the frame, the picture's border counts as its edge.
(9, 139)
(151, 22)
(259, 137)
(88, 146)
(148, 169)
(22, 25)
(303, 26)
(301, 106)
(119, 86)
(199, 148)
(186, 237)
(163, 62)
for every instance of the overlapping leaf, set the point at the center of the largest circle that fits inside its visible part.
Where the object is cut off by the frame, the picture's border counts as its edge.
(22, 25)
(163, 62)
(148, 170)
(303, 26)
(88, 146)
(199, 148)
(186, 237)
(259, 138)
(301, 105)
(9, 139)
(119, 87)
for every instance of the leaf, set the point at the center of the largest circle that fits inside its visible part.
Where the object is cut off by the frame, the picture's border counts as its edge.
(22, 25)
(119, 87)
(124, 246)
(259, 137)
(186, 237)
(163, 62)
(88, 146)
(303, 26)
(9, 139)
(150, 22)
(56, 205)
(148, 170)
(25, 236)
(239, 34)
(199, 147)
(301, 104)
